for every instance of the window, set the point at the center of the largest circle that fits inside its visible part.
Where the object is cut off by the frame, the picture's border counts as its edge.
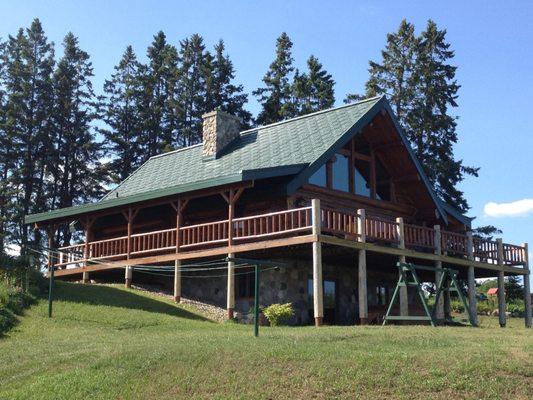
(319, 177)
(340, 170)
(244, 283)
(361, 185)
(382, 295)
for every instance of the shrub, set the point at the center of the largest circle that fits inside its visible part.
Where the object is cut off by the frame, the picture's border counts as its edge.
(457, 306)
(278, 314)
(484, 308)
(516, 309)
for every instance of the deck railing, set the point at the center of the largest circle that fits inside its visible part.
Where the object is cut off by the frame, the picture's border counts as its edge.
(419, 237)
(379, 230)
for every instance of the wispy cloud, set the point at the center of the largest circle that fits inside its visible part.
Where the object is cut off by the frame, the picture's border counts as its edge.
(517, 208)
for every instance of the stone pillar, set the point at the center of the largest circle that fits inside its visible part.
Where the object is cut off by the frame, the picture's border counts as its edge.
(527, 289)
(318, 288)
(362, 278)
(128, 273)
(177, 281)
(404, 298)
(439, 313)
(85, 277)
(230, 299)
(472, 298)
(501, 286)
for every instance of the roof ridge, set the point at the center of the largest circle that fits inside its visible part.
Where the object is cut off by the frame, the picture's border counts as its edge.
(176, 151)
(311, 114)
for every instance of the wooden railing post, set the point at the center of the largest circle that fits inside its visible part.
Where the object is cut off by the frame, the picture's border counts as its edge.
(472, 298)
(361, 269)
(318, 290)
(128, 273)
(501, 286)
(404, 298)
(442, 309)
(527, 288)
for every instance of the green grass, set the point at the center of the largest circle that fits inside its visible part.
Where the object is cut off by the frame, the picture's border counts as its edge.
(106, 342)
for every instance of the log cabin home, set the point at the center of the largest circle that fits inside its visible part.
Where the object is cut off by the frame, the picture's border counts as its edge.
(336, 195)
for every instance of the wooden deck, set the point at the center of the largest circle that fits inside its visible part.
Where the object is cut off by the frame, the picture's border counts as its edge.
(290, 227)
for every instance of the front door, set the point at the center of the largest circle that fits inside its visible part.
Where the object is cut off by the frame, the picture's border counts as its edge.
(330, 300)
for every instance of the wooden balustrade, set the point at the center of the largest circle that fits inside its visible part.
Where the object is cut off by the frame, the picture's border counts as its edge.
(419, 237)
(513, 254)
(107, 248)
(202, 234)
(381, 229)
(272, 224)
(339, 223)
(291, 222)
(454, 243)
(485, 250)
(153, 241)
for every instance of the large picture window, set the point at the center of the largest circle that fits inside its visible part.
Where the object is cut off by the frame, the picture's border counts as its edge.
(341, 172)
(319, 177)
(359, 172)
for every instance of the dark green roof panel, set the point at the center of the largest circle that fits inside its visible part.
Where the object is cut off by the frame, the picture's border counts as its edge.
(284, 148)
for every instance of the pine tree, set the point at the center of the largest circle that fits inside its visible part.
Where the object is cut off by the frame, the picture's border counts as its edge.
(225, 95)
(416, 76)
(195, 75)
(122, 115)
(29, 61)
(77, 173)
(275, 97)
(432, 128)
(158, 109)
(313, 91)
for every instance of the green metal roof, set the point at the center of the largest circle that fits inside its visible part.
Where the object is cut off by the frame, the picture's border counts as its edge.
(283, 148)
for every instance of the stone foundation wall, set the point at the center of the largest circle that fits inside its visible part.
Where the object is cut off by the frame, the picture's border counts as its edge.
(290, 284)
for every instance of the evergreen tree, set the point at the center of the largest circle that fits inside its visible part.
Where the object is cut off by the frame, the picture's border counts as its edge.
(416, 74)
(122, 115)
(158, 108)
(275, 97)
(313, 91)
(432, 128)
(29, 61)
(225, 95)
(195, 76)
(76, 170)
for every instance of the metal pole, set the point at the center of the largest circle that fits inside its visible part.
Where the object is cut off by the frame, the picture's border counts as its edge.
(256, 302)
(50, 291)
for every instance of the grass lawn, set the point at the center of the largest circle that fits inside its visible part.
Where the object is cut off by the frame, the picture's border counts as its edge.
(107, 342)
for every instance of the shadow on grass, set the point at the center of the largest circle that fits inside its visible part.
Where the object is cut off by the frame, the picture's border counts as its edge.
(114, 297)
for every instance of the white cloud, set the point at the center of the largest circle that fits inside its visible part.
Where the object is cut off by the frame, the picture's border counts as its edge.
(517, 208)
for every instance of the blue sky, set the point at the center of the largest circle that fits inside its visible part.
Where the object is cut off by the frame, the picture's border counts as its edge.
(492, 41)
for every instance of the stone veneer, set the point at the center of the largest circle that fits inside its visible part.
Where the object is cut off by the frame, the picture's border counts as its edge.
(218, 130)
(290, 284)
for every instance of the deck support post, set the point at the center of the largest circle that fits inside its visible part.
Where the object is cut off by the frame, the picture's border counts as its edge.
(318, 289)
(527, 289)
(178, 206)
(441, 312)
(231, 287)
(362, 276)
(177, 281)
(128, 273)
(472, 298)
(86, 249)
(404, 297)
(501, 286)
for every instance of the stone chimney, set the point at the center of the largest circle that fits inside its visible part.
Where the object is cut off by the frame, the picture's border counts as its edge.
(219, 129)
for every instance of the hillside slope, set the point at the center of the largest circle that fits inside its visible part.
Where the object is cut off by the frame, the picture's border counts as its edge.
(107, 342)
